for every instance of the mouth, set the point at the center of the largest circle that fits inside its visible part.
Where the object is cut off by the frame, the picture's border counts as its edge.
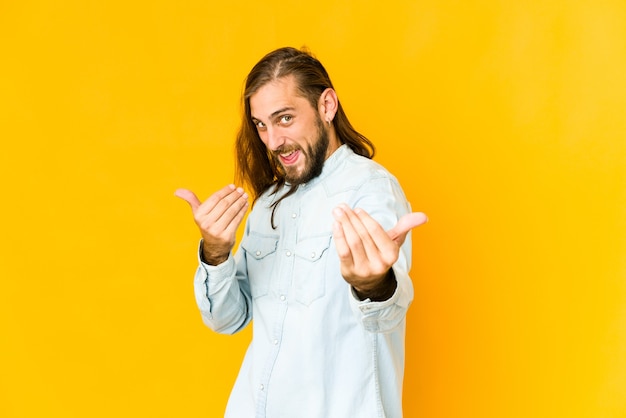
(290, 157)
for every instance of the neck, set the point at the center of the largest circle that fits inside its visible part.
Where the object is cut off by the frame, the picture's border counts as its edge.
(333, 141)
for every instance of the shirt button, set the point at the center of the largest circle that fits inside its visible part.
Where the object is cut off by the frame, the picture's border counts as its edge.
(288, 253)
(258, 253)
(261, 386)
(275, 342)
(293, 215)
(313, 254)
(282, 297)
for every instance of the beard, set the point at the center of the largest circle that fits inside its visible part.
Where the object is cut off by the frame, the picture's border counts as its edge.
(314, 154)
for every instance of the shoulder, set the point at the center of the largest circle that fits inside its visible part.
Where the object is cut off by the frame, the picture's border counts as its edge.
(354, 171)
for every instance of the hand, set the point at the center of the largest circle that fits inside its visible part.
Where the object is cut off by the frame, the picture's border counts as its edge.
(218, 219)
(367, 252)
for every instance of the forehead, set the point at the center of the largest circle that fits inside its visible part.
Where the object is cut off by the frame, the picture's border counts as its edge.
(276, 95)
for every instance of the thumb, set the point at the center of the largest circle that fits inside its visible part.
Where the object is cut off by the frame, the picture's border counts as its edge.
(405, 224)
(189, 197)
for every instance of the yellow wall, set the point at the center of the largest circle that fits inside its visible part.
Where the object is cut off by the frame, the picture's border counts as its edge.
(505, 122)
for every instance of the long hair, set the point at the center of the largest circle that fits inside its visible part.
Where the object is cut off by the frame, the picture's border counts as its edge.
(254, 164)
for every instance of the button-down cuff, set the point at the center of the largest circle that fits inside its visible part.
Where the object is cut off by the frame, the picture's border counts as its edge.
(210, 279)
(381, 316)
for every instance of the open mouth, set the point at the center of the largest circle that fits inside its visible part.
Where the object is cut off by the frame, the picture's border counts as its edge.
(290, 157)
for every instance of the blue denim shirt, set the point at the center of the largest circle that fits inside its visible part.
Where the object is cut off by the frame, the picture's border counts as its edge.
(317, 351)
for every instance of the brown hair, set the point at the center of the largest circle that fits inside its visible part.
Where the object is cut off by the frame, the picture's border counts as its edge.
(255, 166)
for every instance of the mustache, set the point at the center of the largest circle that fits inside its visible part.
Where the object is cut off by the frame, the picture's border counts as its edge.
(285, 149)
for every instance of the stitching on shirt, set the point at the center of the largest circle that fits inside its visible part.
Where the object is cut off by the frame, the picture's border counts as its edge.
(379, 404)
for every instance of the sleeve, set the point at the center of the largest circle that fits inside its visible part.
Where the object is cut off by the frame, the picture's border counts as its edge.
(223, 294)
(383, 198)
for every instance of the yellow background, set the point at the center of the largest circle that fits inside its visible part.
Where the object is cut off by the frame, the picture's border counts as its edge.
(504, 121)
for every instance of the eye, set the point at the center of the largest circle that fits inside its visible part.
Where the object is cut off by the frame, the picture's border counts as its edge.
(286, 119)
(259, 125)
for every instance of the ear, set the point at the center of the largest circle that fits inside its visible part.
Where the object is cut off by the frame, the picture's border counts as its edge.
(328, 104)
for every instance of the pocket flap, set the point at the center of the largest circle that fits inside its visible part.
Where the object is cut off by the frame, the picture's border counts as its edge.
(312, 248)
(259, 247)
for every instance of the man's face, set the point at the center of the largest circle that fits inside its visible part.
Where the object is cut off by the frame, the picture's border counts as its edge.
(291, 129)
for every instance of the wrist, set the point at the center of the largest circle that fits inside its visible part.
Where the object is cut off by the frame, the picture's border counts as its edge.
(213, 261)
(381, 291)
(211, 258)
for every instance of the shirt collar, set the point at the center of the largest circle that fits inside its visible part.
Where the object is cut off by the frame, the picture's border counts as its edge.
(331, 164)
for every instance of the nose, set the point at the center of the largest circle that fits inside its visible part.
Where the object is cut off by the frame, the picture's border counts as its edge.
(273, 138)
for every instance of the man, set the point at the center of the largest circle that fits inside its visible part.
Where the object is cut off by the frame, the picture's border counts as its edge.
(321, 268)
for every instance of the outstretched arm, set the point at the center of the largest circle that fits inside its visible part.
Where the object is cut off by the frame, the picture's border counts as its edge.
(223, 296)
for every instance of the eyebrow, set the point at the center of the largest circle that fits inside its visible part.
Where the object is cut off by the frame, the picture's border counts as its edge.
(277, 112)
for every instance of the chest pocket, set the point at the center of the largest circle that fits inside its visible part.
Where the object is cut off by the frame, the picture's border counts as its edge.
(260, 256)
(310, 268)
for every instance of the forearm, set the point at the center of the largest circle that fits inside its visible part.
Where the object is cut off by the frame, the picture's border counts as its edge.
(222, 296)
